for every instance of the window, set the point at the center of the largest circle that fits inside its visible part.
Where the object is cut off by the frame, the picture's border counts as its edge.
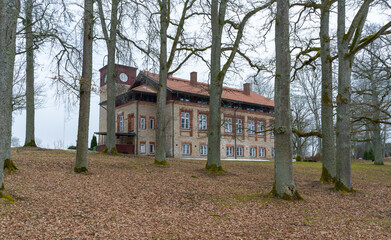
(142, 123)
(251, 127)
(142, 148)
(185, 149)
(203, 150)
(253, 152)
(230, 151)
(228, 125)
(202, 122)
(121, 123)
(272, 132)
(152, 123)
(151, 148)
(273, 153)
(260, 129)
(185, 120)
(185, 98)
(262, 152)
(239, 151)
(238, 125)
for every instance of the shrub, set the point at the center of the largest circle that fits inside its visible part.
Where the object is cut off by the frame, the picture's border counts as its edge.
(93, 142)
(298, 158)
(72, 147)
(369, 155)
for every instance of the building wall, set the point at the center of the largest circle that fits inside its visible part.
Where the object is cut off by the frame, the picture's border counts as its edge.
(192, 136)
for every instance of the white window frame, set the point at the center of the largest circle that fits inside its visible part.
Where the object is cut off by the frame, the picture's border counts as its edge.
(142, 123)
(185, 149)
(273, 152)
(152, 147)
(251, 127)
(260, 128)
(203, 150)
(239, 151)
(142, 147)
(262, 152)
(185, 120)
(230, 151)
(202, 122)
(272, 132)
(121, 123)
(228, 124)
(238, 125)
(152, 123)
(253, 152)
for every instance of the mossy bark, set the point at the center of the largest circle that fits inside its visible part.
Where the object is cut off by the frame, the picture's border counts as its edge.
(5, 195)
(290, 197)
(326, 176)
(339, 186)
(10, 166)
(30, 144)
(161, 163)
(214, 168)
(80, 170)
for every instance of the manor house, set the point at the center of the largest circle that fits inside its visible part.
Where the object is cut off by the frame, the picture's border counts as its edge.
(246, 117)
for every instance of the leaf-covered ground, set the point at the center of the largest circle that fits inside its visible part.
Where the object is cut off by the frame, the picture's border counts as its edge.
(131, 198)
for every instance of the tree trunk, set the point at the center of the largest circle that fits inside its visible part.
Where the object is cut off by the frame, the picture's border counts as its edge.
(81, 164)
(30, 105)
(216, 87)
(328, 145)
(377, 139)
(284, 185)
(9, 10)
(160, 154)
(111, 80)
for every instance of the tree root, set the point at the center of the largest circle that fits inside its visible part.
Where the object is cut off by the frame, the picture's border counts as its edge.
(214, 169)
(10, 166)
(5, 195)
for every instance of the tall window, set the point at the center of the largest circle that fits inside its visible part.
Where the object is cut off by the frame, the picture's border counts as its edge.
(142, 148)
(151, 148)
(228, 125)
(121, 123)
(260, 129)
(239, 151)
(185, 120)
(253, 152)
(273, 153)
(238, 125)
(230, 151)
(186, 149)
(272, 133)
(262, 152)
(203, 150)
(202, 122)
(152, 123)
(251, 127)
(142, 123)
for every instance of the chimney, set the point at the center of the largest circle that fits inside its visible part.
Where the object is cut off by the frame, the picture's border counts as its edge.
(246, 88)
(193, 78)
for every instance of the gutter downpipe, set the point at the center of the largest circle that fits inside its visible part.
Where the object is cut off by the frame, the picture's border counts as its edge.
(137, 127)
(172, 130)
(235, 132)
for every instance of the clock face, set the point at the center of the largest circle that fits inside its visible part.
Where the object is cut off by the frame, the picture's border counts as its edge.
(123, 77)
(105, 78)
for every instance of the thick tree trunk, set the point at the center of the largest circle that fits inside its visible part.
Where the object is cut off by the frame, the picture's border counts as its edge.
(377, 138)
(328, 144)
(343, 165)
(81, 164)
(215, 89)
(30, 105)
(111, 80)
(160, 154)
(284, 185)
(9, 10)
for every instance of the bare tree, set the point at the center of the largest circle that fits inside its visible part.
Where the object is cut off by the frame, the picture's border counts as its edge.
(9, 11)
(284, 185)
(81, 165)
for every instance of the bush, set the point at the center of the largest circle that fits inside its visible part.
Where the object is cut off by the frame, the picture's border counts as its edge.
(298, 158)
(72, 147)
(369, 155)
(93, 142)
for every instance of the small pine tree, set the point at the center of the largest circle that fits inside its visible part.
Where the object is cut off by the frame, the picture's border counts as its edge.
(93, 142)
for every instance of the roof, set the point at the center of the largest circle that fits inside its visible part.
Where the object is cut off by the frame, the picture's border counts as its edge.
(144, 88)
(183, 85)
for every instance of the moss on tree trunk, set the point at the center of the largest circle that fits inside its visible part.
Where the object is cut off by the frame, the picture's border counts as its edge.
(80, 170)
(5, 195)
(326, 176)
(10, 166)
(295, 196)
(30, 144)
(213, 168)
(339, 186)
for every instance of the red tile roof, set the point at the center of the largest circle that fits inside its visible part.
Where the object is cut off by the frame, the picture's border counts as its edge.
(183, 85)
(145, 88)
